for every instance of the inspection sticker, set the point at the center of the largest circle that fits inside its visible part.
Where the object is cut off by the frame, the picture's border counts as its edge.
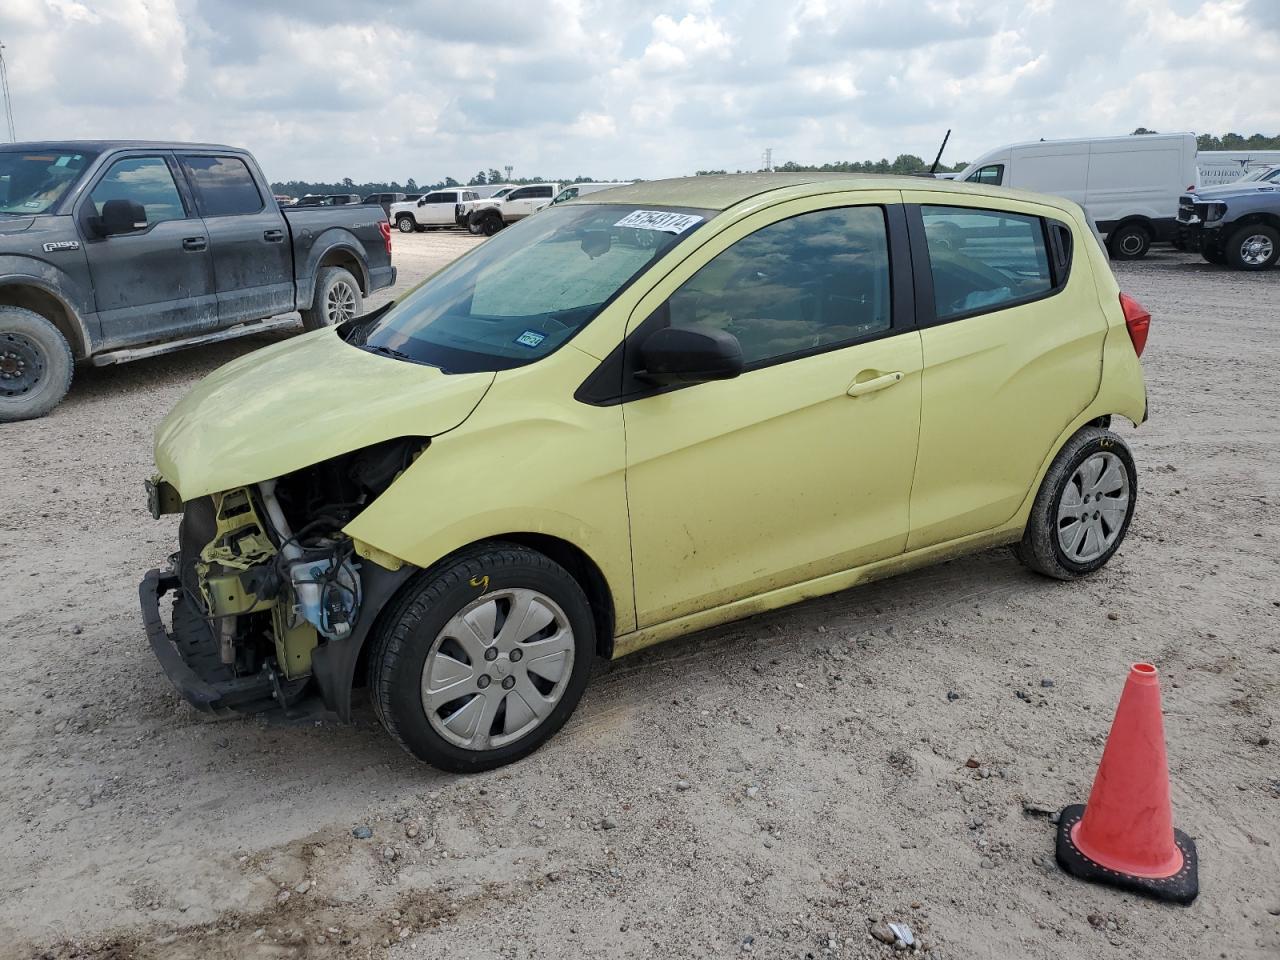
(530, 338)
(659, 220)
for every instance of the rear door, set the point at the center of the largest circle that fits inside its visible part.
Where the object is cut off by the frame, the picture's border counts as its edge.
(155, 283)
(1012, 342)
(252, 258)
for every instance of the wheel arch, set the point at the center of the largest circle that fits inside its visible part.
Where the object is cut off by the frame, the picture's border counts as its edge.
(30, 295)
(1258, 216)
(1134, 220)
(341, 255)
(343, 670)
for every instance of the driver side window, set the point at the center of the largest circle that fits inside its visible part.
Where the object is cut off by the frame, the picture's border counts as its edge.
(802, 285)
(145, 180)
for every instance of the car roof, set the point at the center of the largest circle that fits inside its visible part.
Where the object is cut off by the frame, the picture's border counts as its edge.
(98, 146)
(721, 191)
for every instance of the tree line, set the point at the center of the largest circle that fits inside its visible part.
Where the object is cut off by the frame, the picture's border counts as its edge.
(302, 188)
(905, 163)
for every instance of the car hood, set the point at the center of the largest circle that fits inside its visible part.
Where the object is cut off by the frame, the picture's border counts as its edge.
(300, 402)
(1224, 191)
(15, 224)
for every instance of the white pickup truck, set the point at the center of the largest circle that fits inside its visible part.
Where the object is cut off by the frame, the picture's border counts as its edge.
(435, 209)
(490, 215)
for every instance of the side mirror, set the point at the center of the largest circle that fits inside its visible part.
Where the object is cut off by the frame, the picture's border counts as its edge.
(422, 201)
(122, 216)
(691, 354)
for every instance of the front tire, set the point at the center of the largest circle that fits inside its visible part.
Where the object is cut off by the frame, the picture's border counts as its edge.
(1130, 242)
(1083, 509)
(1255, 246)
(483, 658)
(337, 300)
(405, 223)
(35, 365)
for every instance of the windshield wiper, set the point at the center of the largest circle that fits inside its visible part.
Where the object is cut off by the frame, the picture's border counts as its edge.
(387, 351)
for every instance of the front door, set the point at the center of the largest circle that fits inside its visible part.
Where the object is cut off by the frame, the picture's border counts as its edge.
(436, 209)
(801, 466)
(1012, 352)
(156, 282)
(252, 255)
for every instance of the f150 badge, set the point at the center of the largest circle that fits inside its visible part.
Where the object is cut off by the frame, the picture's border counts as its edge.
(56, 245)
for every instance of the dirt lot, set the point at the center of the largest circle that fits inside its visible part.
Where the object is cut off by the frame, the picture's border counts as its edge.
(766, 788)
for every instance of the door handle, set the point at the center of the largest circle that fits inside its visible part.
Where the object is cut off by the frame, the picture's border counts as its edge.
(195, 244)
(273, 236)
(862, 387)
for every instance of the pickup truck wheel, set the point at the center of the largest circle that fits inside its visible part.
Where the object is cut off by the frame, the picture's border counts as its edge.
(482, 658)
(35, 365)
(1254, 246)
(1213, 254)
(491, 225)
(405, 223)
(475, 227)
(1130, 242)
(337, 300)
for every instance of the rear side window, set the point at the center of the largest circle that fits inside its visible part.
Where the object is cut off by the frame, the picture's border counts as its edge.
(803, 285)
(224, 186)
(144, 180)
(984, 260)
(992, 175)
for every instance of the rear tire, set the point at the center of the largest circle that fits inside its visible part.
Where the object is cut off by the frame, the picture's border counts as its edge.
(35, 365)
(1083, 509)
(1254, 246)
(405, 223)
(1129, 242)
(450, 680)
(337, 299)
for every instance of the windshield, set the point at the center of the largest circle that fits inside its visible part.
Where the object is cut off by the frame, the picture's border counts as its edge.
(1266, 173)
(501, 193)
(34, 181)
(520, 295)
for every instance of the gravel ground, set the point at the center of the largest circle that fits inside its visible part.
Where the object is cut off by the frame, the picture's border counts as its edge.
(771, 787)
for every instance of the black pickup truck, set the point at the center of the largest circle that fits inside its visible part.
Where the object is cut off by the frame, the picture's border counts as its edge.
(115, 250)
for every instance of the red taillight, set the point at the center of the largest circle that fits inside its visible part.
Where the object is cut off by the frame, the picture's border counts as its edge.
(385, 229)
(1138, 320)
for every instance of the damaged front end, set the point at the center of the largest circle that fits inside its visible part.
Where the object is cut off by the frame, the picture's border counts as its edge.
(271, 600)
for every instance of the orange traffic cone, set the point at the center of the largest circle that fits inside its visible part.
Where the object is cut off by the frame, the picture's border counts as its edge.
(1125, 835)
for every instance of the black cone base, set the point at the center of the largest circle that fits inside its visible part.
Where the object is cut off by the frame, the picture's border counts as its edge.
(1182, 887)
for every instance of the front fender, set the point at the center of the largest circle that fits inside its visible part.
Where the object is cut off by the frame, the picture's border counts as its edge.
(62, 287)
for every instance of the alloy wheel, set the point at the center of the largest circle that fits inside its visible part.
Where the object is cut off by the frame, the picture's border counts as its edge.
(340, 303)
(1093, 507)
(497, 669)
(1257, 249)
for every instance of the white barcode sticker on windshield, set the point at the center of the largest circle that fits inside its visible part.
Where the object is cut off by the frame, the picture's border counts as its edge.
(659, 220)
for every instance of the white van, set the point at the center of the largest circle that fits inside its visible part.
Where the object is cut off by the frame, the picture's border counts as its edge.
(1129, 186)
(1216, 167)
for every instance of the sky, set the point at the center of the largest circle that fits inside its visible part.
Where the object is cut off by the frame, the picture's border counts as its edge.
(387, 90)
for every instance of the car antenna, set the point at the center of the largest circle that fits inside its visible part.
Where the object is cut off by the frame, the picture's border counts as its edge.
(938, 158)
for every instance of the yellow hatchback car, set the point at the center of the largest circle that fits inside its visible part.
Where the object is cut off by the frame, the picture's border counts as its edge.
(633, 416)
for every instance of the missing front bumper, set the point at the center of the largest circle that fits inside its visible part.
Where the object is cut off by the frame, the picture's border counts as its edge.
(190, 657)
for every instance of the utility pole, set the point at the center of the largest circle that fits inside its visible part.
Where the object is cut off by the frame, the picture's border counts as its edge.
(766, 159)
(8, 101)
(508, 168)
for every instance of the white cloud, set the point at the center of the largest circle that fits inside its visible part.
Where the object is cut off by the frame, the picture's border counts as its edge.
(323, 89)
